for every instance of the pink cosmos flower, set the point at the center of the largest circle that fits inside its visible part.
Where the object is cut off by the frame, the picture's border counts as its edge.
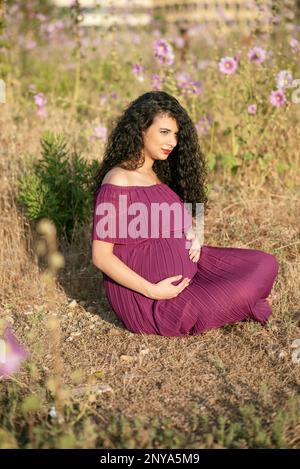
(204, 124)
(50, 28)
(99, 133)
(11, 353)
(156, 82)
(163, 52)
(182, 78)
(41, 17)
(137, 70)
(196, 87)
(228, 65)
(30, 45)
(294, 45)
(40, 99)
(277, 98)
(257, 55)
(59, 24)
(284, 79)
(252, 109)
(187, 85)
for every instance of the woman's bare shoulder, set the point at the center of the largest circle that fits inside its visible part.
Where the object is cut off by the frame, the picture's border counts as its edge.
(117, 176)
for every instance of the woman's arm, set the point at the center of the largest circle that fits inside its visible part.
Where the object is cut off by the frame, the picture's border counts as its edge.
(111, 265)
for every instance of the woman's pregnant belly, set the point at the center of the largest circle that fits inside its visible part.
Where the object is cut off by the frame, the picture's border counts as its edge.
(156, 259)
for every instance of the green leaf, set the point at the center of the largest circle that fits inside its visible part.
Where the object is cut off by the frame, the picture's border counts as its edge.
(211, 161)
(31, 403)
(229, 160)
(282, 166)
(248, 156)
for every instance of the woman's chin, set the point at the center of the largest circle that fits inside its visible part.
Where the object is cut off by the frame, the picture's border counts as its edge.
(162, 156)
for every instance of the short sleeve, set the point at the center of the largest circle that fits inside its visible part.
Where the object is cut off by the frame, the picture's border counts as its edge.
(109, 215)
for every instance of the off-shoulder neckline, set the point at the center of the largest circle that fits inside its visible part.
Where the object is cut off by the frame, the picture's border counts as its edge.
(132, 187)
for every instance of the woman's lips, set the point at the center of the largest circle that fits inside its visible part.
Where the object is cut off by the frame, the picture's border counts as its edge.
(166, 151)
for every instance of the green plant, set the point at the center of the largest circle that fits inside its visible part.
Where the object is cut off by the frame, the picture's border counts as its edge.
(58, 186)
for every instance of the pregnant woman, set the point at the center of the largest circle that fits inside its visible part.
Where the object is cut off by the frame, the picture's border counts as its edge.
(157, 277)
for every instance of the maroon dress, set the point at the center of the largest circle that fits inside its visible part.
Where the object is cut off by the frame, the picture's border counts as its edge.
(228, 284)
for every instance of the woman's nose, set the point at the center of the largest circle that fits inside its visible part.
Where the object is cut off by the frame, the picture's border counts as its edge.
(173, 142)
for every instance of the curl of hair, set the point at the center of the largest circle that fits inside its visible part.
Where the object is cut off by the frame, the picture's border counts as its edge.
(185, 169)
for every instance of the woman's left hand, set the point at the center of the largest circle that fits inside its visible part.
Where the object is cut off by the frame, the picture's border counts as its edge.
(195, 249)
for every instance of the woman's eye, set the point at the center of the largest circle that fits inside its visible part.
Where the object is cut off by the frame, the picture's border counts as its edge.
(165, 132)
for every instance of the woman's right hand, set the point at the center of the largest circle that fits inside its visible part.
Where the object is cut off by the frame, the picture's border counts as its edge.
(165, 290)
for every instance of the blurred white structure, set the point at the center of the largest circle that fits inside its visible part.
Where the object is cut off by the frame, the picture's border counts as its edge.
(110, 12)
(221, 13)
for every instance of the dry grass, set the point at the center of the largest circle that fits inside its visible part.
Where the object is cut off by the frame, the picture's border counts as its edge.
(180, 379)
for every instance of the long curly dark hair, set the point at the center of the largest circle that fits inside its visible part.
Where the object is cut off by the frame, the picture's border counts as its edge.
(185, 172)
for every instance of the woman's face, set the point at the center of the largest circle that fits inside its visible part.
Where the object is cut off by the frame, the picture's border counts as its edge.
(161, 135)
